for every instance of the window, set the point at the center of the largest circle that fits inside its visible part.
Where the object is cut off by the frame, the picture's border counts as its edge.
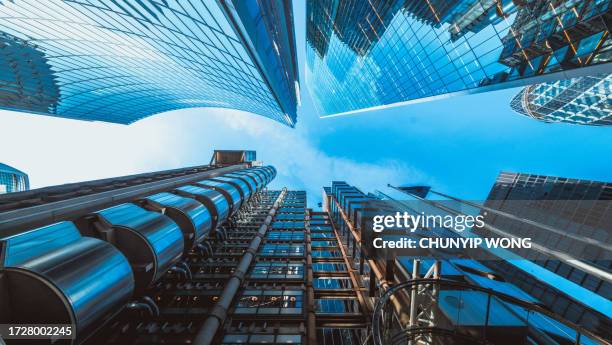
(277, 270)
(323, 267)
(203, 302)
(214, 268)
(320, 227)
(285, 209)
(336, 305)
(588, 44)
(247, 339)
(332, 283)
(324, 243)
(290, 216)
(321, 235)
(230, 249)
(288, 225)
(270, 302)
(294, 203)
(326, 254)
(282, 250)
(285, 236)
(340, 336)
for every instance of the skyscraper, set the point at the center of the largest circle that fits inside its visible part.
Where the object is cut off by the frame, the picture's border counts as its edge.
(201, 255)
(582, 101)
(371, 54)
(210, 255)
(123, 61)
(568, 208)
(12, 180)
(27, 78)
(476, 300)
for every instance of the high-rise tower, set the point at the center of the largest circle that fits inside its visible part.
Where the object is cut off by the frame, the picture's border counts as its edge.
(201, 255)
(582, 101)
(566, 215)
(565, 269)
(372, 54)
(123, 61)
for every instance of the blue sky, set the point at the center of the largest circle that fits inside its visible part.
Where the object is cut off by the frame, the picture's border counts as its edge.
(458, 145)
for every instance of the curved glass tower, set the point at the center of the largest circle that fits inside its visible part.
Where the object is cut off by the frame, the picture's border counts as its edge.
(12, 180)
(582, 101)
(123, 61)
(373, 54)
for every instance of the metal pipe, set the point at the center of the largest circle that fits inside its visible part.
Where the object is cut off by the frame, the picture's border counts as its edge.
(147, 304)
(380, 276)
(202, 250)
(141, 306)
(184, 265)
(311, 320)
(416, 266)
(180, 271)
(350, 270)
(12, 222)
(218, 313)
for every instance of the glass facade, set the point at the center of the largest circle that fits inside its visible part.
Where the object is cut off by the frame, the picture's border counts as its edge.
(27, 78)
(270, 302)
(12, 180)
(575, 208)
(367, 54)
(277, 270)
(583, 101)
(123, 61)
(465, 314)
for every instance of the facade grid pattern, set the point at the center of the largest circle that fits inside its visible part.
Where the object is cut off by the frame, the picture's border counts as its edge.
(123, 61)
(370, 54)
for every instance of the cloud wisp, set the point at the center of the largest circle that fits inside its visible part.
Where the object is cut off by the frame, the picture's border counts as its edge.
(303, 165)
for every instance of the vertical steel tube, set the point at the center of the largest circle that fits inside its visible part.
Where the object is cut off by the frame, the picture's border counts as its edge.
(416, 267)
(311, 320)
(207, 332)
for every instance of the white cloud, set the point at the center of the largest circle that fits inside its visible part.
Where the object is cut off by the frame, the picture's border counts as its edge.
(301, 165)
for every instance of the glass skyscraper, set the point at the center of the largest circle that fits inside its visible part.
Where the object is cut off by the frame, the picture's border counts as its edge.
(572, 208)
(467, 306)
(123, 61)
(583, 101)
(27, 80)
(371, 54)
(12, 180)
